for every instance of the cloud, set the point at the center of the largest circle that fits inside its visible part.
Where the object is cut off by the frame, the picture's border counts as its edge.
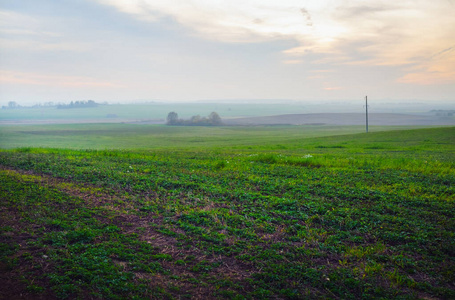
(339, 32)
(226, 21)
(41, 45)
(27, 78)
(316, 77)
(293, 61)
(21, 31)
(323, 71)
(306, 16)
(437, 69)
(11, 18)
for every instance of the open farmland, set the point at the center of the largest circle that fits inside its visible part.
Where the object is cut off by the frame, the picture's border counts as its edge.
(346, 216)
(145, 136)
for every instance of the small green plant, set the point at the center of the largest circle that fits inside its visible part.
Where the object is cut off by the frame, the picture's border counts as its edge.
(220, 165)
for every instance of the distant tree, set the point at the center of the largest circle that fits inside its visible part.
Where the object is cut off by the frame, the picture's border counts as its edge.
(78, 104)
(172, 118)
(195, 120)
(12, 104)
(212, 120)
(215, 119)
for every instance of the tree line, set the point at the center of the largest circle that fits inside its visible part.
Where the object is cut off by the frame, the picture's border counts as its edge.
(78, 104)
(213, 119)
(73, 104)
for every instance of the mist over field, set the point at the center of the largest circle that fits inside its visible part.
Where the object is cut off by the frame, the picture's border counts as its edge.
(240, 112)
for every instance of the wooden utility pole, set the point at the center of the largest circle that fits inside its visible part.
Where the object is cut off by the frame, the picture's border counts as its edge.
(366, 111)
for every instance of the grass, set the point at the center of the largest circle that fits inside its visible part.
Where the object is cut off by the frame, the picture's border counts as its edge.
(347, 216)
(129, 136)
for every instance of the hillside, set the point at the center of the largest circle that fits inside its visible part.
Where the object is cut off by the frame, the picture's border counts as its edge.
(344, 119)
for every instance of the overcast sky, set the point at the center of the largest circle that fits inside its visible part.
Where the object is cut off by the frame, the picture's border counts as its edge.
(184, 50)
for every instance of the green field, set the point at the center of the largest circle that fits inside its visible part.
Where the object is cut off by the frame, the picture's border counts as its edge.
(140, 211)
(131, 112)
(133, 136)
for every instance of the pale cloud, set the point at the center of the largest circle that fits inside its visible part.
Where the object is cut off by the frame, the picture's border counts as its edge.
(316, 77)
(10, 18)
(42, 45)
(21, 31)
(28, 78)
(320, 74)
(356, 32)
(293, 61)
(323, 71)
(28, 32)
(439, 68)
(227, 21)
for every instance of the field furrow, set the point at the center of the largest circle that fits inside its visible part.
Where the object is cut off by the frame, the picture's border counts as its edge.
(234, 224)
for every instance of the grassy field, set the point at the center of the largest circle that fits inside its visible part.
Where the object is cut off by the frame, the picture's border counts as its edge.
(261, 212)
(133, 136)
(149, 111)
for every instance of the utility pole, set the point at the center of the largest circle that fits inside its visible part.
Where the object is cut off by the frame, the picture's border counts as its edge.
(366, 111)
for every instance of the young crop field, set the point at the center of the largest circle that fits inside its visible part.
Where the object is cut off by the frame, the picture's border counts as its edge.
(135, 136)
(341, 217)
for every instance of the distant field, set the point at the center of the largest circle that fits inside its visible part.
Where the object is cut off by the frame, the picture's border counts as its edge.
(134, 136)
(228, 213)
(245, 113)
(154, 112)
(390, 119)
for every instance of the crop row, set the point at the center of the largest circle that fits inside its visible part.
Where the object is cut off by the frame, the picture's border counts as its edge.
(295, 226)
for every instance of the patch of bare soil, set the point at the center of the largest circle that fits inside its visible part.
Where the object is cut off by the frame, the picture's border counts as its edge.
(129, 222)
(13, 285)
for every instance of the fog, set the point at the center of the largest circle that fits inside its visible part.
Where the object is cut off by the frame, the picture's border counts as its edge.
(235, 112)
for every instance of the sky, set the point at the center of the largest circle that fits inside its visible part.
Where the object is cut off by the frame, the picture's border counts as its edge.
(192, 50)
